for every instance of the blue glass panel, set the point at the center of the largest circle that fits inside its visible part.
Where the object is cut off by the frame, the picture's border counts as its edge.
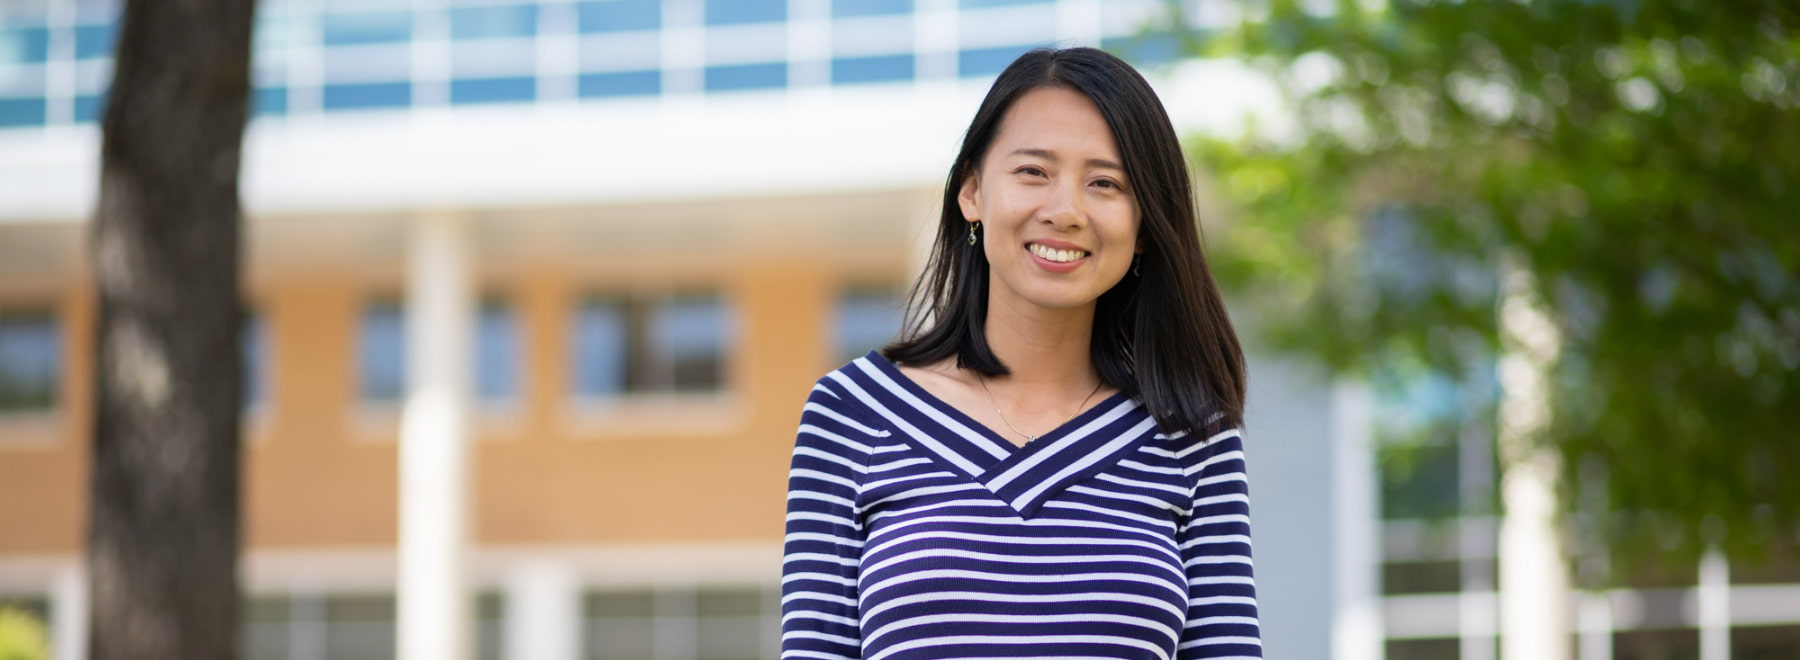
(863, 322)
(21, 112)
(619, 83)
(367, 95)
(1143, 49)
(268, 101)
(94, 41)
(690, 333)
(496, 353)
(977, 4)
(30, 357)
(493, 90)
(90, 108)
(989, 61)
(618, 15)
(24, 44)
(850, 8)
(602, 353)
(736, 12)
(885, 68)
(491, 22)
(366, 27)
(255, 351)
(381, 352)
(745, 76)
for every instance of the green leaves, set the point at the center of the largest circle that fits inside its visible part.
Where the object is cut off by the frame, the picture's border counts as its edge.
(1644, 160)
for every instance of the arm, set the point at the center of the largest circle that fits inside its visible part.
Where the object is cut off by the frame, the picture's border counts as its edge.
(1215, 548)
(819, 615)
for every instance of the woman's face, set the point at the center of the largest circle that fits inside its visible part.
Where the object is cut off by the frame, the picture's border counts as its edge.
(1059, 219)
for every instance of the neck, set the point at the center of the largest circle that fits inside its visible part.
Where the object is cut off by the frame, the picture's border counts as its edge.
(1046, 350)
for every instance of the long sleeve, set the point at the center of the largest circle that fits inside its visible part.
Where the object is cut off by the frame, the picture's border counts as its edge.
(819, 616)
(1215, 548)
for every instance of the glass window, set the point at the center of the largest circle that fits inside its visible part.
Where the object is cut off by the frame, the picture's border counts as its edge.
(493, 22)
(618, 15)
(863, 321)
(619, 83)
(267, 630)
(602, 347)
(381, 352)
(977, 4)
(366, 27)
(255, 345)
(673, 344)
(20, 45)
(490, 626)
(851, 8)
(22, 112)
(493, 90)
(1145, 49)
(729, 622)
(687, 341)
(745, 76)
(1419, 481)
(618, 625)
(359, 627)
(368, 96)
(975, 62)
(886, 68)
(496, 352)
(269, 101)
(736, 12)
(95, 41)
(90, 108)
(709, 623)
(30, 359)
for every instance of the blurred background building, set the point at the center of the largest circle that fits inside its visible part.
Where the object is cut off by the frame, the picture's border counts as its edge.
(679, 213)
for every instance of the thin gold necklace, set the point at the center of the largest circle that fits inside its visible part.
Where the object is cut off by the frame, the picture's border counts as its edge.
(1029, 437)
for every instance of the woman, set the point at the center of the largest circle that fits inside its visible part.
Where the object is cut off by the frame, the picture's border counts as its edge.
(1048, 463)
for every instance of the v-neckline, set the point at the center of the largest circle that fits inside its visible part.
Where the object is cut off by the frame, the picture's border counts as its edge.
(1024, 477)
(987, 432)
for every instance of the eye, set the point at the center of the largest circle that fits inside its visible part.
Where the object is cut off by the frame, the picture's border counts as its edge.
(1109, 183)
(1030, 170)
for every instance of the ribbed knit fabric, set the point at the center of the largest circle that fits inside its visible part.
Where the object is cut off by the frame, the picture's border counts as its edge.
(914, 532)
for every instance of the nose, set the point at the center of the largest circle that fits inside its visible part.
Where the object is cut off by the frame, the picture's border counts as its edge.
(1064, 205)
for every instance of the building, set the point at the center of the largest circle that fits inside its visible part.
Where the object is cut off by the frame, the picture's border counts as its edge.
(678, 214)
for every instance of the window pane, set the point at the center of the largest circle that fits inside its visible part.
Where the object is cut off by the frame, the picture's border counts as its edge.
(745, 76)
(848, 8)
(496, 353)
(359, 627)
(734, 12)
(22, 112)
(601, 351)
(625, 83)
(491, 22)
(267, 632)
(864, 320)
(493, 90)
(619, 15)
(989, 61)
(30, 355)
(366, 27)
(381, 353)
(618, 625)
(689, 334)
(88, 107)
(19, 45)
(490, 626)
(885, 68)
(977, 4)
(1419, 481)
(255, 348)
(95, 41)
(368, 96)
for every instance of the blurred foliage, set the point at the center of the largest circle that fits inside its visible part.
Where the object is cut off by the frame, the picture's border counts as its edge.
(22, 636)
(1640, 158)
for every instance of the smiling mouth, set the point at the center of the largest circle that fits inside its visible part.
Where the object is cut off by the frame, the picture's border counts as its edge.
(1054, 254)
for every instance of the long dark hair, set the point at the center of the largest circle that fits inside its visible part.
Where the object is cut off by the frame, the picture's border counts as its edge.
(1162, 333)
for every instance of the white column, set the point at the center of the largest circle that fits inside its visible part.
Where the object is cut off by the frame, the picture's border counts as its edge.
(543, 613)
(434, 608)
(1594, 618)
(1356, 628)
(1534, 582)
(1714, 592)
(69, 613)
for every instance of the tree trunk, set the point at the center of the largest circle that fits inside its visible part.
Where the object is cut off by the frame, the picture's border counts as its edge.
(164, 530)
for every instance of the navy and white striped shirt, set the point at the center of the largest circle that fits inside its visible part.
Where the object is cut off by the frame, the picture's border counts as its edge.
(915, 532)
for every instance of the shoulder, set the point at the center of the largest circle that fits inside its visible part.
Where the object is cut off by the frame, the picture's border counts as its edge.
(1217, 446)
(841, 402)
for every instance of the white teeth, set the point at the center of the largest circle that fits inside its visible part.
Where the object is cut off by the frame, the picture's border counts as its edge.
(1053, 254)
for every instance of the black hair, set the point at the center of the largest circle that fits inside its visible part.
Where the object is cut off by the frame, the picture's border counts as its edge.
(1162, 333)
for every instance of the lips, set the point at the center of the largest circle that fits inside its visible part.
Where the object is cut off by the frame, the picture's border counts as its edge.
(1058, 255)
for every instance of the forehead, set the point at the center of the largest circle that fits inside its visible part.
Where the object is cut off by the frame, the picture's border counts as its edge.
(1055, 119)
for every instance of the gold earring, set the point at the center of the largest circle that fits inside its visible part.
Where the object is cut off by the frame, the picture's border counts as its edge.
(972, 227)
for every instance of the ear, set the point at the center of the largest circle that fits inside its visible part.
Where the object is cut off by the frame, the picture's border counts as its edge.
(966, 198)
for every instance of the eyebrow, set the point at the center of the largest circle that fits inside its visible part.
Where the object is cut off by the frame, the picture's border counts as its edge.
(1049, 155)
